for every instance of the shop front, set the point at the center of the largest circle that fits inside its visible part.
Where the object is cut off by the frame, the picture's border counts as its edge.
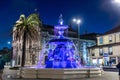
(94, 61)
(106, 59)
(100, 61)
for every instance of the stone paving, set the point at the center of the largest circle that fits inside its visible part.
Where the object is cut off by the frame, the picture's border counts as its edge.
(105, 76)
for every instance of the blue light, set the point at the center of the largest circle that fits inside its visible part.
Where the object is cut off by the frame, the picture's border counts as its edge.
(60, 20)
(9, 42)
(62, 55)
(61, 23)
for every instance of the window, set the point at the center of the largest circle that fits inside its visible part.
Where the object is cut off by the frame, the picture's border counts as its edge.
(100, 60)
(110, 38)
(94, 61)
(20, 46)
(101, 40)
(93, 54)
(113, 60)
(18, 60)
(101, 52)
(110, 51)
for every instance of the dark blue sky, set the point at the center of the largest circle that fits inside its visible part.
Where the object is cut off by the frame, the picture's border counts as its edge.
(96, 15)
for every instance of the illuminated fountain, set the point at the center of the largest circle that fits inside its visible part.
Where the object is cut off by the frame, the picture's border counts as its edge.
(61, 52)
(63, 61)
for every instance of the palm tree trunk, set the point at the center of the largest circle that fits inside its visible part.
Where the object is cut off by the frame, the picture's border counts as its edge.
(23, 49)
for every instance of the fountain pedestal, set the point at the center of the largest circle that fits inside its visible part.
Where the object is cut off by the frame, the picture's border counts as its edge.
(60, 73)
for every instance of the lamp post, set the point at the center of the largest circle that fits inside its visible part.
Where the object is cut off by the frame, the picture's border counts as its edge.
(116, 1)
(78, 21)
(8, 43)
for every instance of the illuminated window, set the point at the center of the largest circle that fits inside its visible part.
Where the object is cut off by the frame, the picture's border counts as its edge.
(100, 61)
(101, 40)
(101, 52)
(110, 51)
(94, 61)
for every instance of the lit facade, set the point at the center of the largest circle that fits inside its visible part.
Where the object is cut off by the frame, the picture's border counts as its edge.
(107, 50)
(32, 51)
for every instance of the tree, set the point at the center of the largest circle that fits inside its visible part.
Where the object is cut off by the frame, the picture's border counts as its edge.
(26, 29)
(7, 54)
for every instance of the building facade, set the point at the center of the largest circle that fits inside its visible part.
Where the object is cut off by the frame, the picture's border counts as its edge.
(107, 50)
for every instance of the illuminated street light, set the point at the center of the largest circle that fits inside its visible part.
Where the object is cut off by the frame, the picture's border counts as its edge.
(9, 42)
(117, 1)
(74, 20)
(78, 21)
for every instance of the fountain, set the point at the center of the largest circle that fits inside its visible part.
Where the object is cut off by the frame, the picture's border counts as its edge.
(62, 61)
(61, 52)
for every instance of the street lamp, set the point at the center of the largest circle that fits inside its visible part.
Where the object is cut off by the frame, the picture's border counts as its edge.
(116, 1)
(78, 21)
(8, 42)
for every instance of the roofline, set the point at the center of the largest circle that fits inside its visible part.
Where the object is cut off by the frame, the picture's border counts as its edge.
(112, 44)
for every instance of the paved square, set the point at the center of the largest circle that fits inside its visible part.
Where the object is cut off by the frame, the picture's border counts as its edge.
(105, 76)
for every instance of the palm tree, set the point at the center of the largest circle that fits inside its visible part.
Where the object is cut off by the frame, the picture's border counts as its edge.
(26, 29)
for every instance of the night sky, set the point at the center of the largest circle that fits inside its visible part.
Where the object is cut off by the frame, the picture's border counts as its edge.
(97, 15)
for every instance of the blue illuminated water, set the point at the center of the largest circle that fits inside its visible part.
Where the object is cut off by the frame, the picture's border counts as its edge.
(62, 56)
(61, 51)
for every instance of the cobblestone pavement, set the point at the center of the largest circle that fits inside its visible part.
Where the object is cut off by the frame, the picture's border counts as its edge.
(105, 76)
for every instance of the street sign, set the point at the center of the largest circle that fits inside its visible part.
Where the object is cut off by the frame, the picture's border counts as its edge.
(105, 54)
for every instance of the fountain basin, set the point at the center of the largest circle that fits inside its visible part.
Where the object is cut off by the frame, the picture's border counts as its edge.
(60, 73)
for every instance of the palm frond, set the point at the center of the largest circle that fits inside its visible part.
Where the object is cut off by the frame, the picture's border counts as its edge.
(32, 17)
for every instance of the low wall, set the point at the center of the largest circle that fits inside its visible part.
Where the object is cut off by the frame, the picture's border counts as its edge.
(60, 73)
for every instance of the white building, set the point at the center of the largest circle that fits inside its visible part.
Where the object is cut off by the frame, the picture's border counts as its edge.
(107, 50)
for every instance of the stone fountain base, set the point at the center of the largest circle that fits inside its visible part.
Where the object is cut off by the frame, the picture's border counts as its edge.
(60, 73)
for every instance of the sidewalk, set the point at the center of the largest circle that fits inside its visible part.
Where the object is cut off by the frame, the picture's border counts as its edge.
(105, 76)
